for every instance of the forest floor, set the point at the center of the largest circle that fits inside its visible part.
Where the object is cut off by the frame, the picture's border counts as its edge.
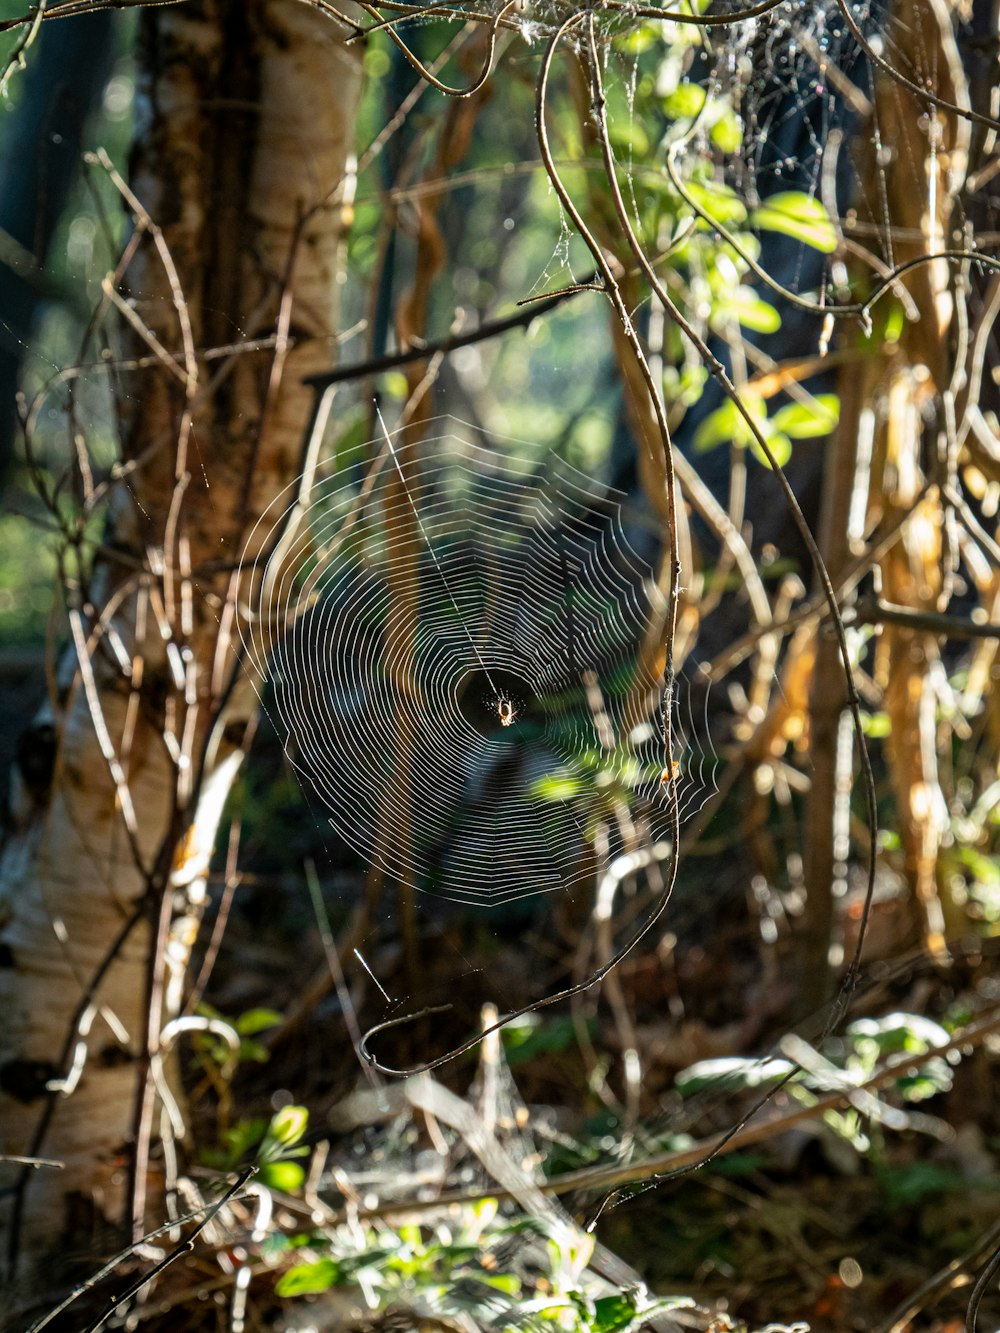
(875, 1215)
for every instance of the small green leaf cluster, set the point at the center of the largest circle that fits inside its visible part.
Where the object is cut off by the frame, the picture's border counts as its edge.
(455, 1267)
(212, 1049)
(686, 212)
(529, 1036)
(849, 1063)
(271, 1144)
(816, 415)
(871, 1041)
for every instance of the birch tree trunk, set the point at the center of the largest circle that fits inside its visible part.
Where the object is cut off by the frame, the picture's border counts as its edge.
(238, 189)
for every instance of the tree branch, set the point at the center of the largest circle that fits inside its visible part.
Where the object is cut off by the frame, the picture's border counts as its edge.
(492, 329)
(873, 611)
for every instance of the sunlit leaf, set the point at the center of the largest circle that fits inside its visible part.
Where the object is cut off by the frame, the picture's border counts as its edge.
(726, 425)
(802, 421)
(900, 1032)
(984, 869)
(505, 1282)
(717, 202)
(727, 132)
(257, 1020)
(556, 787)
(730, 1073)
(639, 39)
(288, 1125)
(284, 1176)
(308, 1279)
(800, 216)
(613, 1313)
(876, 725)
(780, 446)
(754, 313)
(628, 137)
(685, 101)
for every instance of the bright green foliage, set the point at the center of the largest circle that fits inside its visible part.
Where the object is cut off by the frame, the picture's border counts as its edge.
(795, 421)
(279, 1145)
(310, 1279)
(799, 216)
(865, 1047)
(454, 1268)
(212, 1049)
(274, 1144)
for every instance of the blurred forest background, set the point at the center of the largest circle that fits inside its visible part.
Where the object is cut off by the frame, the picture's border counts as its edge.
(499, 605)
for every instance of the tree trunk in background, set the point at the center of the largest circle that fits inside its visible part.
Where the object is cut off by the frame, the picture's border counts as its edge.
(878, 471)
(245, 119)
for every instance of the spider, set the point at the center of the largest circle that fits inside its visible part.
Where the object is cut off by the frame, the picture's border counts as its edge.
(506, 712)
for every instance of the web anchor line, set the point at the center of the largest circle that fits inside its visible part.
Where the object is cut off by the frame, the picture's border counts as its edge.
(505, 718)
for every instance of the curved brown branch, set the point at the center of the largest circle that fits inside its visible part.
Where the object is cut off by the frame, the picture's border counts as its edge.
(723, 379)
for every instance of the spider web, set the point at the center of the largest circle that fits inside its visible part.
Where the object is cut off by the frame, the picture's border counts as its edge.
(455, 668)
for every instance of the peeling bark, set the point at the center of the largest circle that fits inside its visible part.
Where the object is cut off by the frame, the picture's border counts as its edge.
(245, 123)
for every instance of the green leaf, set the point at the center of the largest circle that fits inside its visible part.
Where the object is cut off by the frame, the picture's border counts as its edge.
(780, 446)
(556, 787)
(718, 202)
(284, 1176)
(876, 725)
(288, 1125)
(253, 1050)
(238, 1141)
(802, 421)
(909, 1184)
(308, 1279)
(612, 1314)
(727, 132)
(726, 425)
(257, 1020)
(505, 1282)
(395, 384)
(640, 39)
(522, 1042)
(629, 137)
(730, 1073)
(984, 869)
(800, 216)
(685, 101)
(753, 313)
(893, 320)
(894, 1032)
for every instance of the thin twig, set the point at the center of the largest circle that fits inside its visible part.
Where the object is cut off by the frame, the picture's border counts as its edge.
(875, 611)
(979, 1291)
(493, 329)
(185, 1247)
(668, 1165)
(902, 1316)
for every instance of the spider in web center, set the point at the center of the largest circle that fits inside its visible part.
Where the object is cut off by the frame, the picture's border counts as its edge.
(506, 711)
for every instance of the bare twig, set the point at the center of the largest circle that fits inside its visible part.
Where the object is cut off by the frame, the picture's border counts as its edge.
(668, 1165)
(185, 1247)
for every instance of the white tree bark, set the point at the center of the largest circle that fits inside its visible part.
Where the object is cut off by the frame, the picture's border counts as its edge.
(244, 129)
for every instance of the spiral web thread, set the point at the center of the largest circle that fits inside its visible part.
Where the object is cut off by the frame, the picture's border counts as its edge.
(428, 647)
